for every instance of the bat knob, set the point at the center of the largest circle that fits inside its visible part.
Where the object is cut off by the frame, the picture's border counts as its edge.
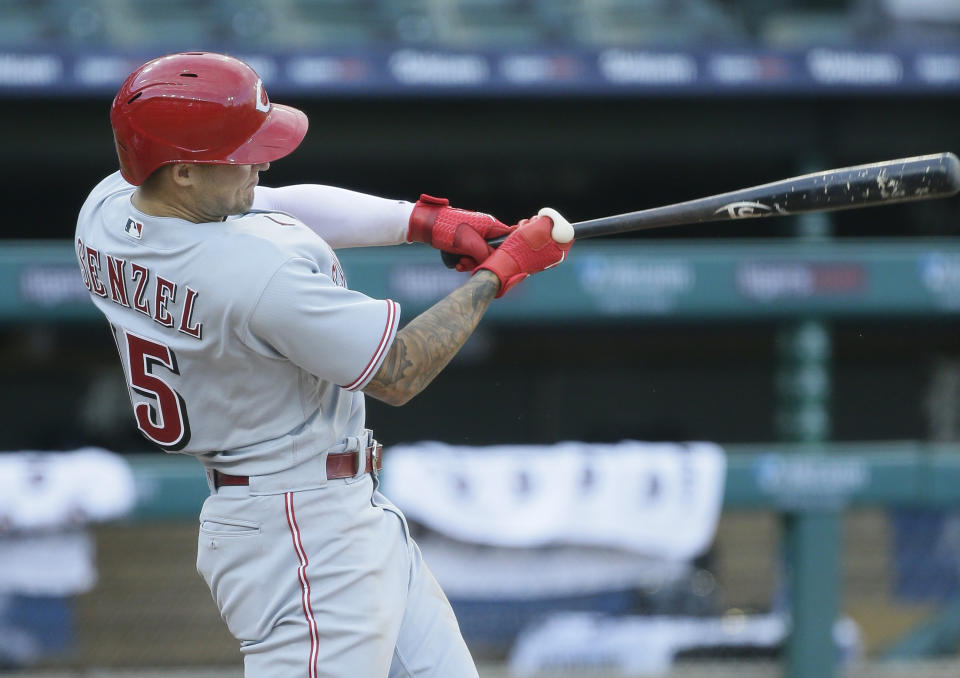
(562, 231)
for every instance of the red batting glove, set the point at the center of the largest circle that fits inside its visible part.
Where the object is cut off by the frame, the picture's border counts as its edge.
(528, 250)
(453, 230)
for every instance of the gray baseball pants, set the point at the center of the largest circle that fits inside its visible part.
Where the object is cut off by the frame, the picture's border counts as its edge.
(326, 582)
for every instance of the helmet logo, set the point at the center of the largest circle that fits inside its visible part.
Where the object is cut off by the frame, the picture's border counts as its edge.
(263, 104)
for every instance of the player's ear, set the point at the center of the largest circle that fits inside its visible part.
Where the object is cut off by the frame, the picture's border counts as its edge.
(183, 173)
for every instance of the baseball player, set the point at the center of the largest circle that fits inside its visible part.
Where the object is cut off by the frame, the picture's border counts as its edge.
(243, 346)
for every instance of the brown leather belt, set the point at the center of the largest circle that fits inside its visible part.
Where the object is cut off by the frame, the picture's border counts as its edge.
(339, 465)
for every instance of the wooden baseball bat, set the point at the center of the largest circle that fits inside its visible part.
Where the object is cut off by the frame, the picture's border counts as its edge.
(922, 177)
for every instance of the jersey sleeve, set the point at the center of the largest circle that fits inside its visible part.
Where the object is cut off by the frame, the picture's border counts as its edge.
(334, 333)
(342, 218)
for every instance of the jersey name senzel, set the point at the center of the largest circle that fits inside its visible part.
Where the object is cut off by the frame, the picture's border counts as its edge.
(131, 285)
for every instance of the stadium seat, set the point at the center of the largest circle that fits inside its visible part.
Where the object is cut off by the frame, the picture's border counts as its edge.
(488, 22)
(22, 23)
(411, 20)
(799, 23)
(316, 23)
(166, 25)
(804, 28)
(254, 22)
(656, 23)
(917, 22)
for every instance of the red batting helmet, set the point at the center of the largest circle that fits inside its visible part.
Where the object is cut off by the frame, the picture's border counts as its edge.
(199, 107)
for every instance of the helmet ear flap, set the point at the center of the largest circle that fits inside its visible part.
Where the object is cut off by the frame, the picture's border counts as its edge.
(199, 107)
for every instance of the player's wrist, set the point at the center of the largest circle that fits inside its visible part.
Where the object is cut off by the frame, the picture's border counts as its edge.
(503, 268)
(485, 276)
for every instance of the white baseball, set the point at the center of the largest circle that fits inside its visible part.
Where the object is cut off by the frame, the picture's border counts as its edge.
(562, 231)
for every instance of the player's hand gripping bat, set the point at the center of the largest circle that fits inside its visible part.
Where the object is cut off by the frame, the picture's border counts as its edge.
(881, 183)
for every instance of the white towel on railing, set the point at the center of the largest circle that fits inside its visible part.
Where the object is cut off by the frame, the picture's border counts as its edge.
(659, 499)
(50, 490)
(46, 500)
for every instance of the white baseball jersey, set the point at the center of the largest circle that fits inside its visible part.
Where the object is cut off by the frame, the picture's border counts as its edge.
(240, 341)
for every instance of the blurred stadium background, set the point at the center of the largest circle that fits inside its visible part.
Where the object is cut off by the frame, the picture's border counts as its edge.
(822, 353)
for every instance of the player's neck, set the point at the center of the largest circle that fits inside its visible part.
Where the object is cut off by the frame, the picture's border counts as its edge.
(155, 205)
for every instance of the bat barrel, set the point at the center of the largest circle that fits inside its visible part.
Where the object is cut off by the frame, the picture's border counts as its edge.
(916, 178)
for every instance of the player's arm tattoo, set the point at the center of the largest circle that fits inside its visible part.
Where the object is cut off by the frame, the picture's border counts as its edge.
(429, 341)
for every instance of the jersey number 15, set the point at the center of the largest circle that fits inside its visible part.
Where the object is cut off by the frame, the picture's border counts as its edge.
(163, 421)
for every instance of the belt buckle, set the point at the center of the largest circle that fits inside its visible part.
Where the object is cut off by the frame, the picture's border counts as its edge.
(376, 449)
(364, 444)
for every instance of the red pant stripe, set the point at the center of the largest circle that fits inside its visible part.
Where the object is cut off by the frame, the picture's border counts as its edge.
(304, 585)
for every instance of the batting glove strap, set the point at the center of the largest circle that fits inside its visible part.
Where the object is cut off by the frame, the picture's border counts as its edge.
(423, 217)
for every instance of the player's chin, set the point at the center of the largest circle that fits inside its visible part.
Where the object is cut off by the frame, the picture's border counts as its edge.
(244, 201)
